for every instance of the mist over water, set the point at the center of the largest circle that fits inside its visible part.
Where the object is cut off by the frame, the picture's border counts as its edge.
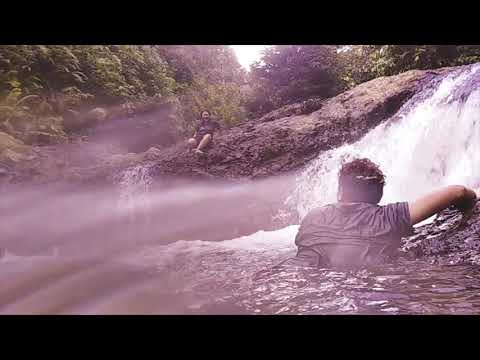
(146, 245)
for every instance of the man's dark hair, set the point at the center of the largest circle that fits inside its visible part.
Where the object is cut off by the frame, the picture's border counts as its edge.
(360, 180)
(201, 112)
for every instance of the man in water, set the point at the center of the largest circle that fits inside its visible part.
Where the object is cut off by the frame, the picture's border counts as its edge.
(203, 133)
(356, 230)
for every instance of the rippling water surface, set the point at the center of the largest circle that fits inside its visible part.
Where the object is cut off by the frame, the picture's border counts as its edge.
(231, 277)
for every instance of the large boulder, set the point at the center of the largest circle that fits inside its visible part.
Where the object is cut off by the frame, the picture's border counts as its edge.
(33, 130)
(453, 238)
(75, 120)
(301, 108)
(47, 131)
(273, 145)
(45, 138)
(13, 151)
(255, 149)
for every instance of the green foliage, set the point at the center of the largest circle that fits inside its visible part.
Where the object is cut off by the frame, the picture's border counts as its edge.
(365, 62)
(103, 74)
(45, 81)
(70, 78)
(356, 63)
(224, 101)
(211, 63)
(467, 54)
(125, 72)
(292, 73)
(208, 77)
(288, 74)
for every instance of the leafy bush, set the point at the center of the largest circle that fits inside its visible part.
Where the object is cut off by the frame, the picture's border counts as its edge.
(293, 73)
(365, 62)
(208, 77)
(68, 79)
(224, 101)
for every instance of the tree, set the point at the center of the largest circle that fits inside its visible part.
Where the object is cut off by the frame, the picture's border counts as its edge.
(292, 73)
(208, 77)
(66, 79)
(365, 62)
(213, 63)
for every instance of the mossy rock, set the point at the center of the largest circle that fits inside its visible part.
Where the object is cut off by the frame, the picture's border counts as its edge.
(77, 121)
(13, 150)
(9, 142)
(45, 138)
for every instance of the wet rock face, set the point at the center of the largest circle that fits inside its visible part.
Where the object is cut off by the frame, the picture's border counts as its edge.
(279, 142)
(288, 138)
(452, 238)
(12, 151)
(301, 108)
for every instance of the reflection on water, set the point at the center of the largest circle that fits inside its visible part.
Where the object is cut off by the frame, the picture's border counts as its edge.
(237, 280)
(408, 288)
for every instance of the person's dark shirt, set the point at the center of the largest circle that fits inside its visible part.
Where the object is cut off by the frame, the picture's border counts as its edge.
(207, 127)
(352, 233)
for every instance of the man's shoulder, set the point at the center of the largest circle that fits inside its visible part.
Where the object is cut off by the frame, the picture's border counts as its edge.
(341, 208)
(401, 205)
(396, 210)
(318, 211)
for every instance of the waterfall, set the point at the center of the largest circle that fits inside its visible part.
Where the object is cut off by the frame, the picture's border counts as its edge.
(134, 186)
(432, 141)
(135, 202)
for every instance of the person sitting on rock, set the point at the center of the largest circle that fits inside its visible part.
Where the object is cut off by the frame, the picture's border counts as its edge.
(356, 230)
(204, 133)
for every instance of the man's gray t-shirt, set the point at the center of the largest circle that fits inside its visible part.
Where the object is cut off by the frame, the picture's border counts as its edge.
(352, 233)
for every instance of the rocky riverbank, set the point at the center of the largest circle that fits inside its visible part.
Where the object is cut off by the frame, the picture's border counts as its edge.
(452, 238)
(279, 142)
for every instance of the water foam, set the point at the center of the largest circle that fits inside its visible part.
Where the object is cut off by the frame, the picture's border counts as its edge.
(431, 142)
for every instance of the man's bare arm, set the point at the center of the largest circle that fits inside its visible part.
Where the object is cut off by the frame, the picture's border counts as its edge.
(434, 202)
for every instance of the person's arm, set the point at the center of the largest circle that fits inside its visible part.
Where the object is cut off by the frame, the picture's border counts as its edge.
(429, 205)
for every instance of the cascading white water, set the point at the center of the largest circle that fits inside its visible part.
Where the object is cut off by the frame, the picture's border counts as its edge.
(134, 186)
(433, 141)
